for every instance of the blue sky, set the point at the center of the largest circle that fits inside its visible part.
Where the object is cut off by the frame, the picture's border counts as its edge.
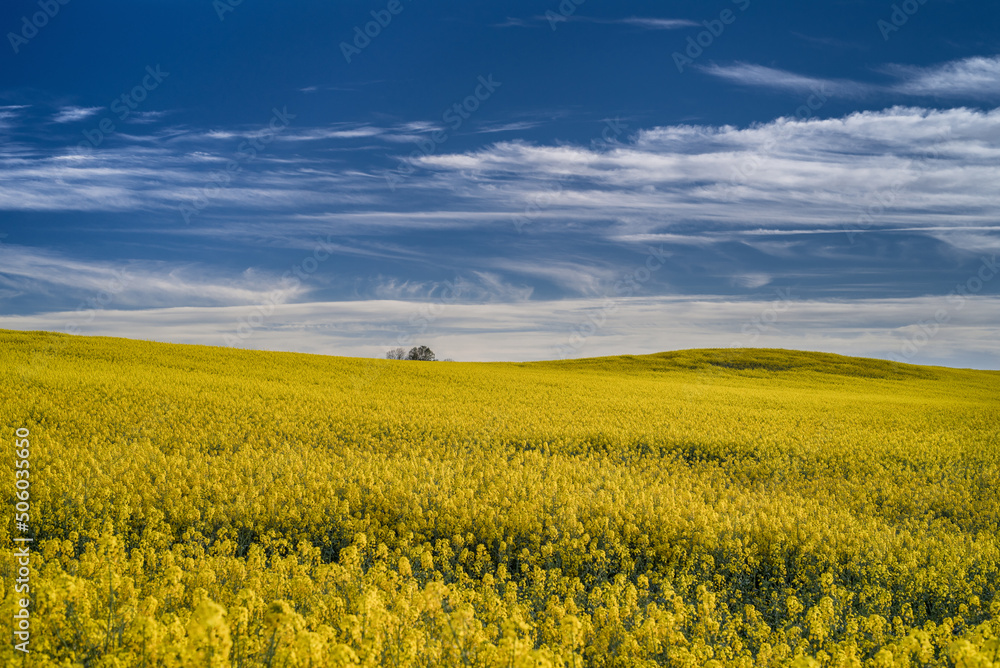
(505, 181)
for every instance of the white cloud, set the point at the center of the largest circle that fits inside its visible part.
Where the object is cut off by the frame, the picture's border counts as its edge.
(8, 113)
(316, 88)
(50, 275)
(146, 117)
(403, 132)
(976, 77)
(317, 134)
(136, 178)
(337, 131)
(483, 287)
(928, 168)
(74, 114)
(646, 22)
(574, 277)
(534, 330)
(656, 24)
(972, 78)
(515, 126)
(747, 74)
(425, 220)
(751, 280)
(909, 166)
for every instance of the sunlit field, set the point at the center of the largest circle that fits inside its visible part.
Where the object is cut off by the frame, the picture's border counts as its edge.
(195, 506)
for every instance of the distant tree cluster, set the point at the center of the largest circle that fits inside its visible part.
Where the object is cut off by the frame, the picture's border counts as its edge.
(418, 353)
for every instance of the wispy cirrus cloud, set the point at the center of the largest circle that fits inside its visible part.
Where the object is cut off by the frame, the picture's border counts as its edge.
(644, 22)
(74, 114)
(977, 77)
(514, 126)
(55, 277)
(146, 117)
(797, 174)
(741, 206)
(312, 134)
(139, 178)
(317, 134)
(576, 278)
(8, 114)
(651, 23)
(971, 78)
(817, 172)
(747, 74)
(477, 287)
(397, 133)
(532, 330)
(317, 88)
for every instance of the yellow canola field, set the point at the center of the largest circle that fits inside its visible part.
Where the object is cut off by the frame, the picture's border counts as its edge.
(196, 506)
